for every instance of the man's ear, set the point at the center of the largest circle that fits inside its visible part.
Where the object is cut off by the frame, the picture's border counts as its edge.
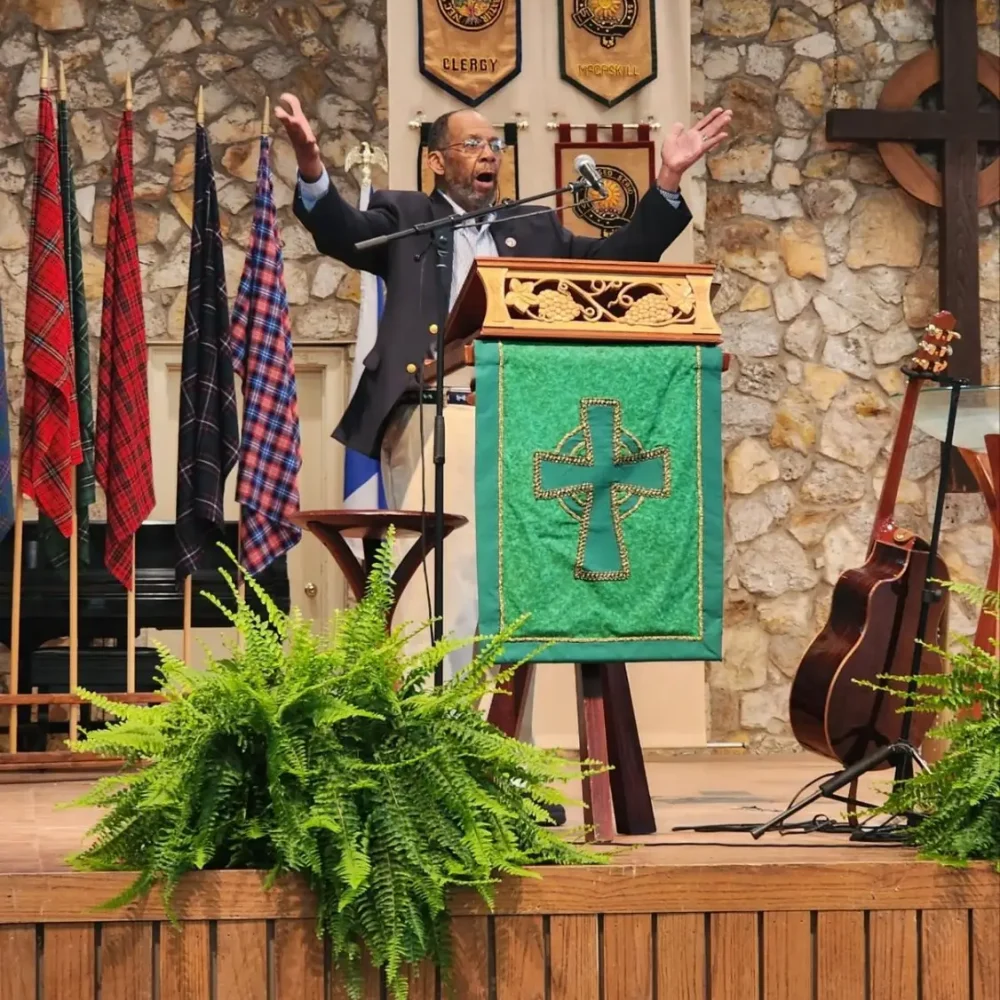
(435, 160)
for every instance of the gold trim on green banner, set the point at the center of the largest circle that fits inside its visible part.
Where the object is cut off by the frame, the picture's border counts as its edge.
(607, 48)
(470, 48)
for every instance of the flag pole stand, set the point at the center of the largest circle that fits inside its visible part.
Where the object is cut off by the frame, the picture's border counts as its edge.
(130, 645)
(15, 608)
(186, 647)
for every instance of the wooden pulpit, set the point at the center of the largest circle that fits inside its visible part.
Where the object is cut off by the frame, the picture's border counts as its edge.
(599, 486)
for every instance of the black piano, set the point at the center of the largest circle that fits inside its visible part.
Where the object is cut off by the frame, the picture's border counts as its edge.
(103, 611)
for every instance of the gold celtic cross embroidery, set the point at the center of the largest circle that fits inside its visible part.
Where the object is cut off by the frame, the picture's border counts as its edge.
(600, 474)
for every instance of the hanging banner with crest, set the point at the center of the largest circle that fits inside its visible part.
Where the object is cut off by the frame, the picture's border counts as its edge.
(607, 48)
(508, 185)
(628, 169)
(470, 48)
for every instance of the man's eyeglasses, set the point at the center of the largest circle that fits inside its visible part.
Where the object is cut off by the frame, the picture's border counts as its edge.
(473, 145)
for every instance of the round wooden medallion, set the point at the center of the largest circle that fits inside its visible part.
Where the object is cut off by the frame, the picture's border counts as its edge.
(901, 92)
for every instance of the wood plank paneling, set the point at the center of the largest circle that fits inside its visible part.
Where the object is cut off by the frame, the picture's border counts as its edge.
(840, 956)
(892, 955)
(127, 961)
(185, 961)
(628, 957)
(469, 948)
(68, 962)
(241, 960)
(298, 961)
(371, 982)
(788, 955)
(944, 955)
(661, 881)
(985, 954)
(734, 966)
(680, 955)
(520, 958)
(573, 958)
(18, 962)
(422, 979)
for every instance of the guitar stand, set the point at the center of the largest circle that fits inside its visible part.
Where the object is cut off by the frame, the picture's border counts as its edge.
(902, 752)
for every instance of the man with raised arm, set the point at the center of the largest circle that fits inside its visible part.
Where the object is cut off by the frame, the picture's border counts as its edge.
(423, 276)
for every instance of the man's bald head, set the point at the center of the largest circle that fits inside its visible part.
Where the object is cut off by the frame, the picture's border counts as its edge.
(463, 151)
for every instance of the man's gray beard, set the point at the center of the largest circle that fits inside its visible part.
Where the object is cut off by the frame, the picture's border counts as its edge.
(467, 197)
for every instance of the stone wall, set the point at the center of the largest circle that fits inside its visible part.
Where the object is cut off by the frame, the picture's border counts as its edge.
(828, 272)
(330, 54)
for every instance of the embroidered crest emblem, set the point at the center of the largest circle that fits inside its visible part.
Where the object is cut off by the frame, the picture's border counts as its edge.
(600, 474)
(614, 211)
(471, 15)
(609, 20)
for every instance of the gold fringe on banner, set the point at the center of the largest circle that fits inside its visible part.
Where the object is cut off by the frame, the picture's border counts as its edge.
(607, 48)
(470, 48)
(628, 169)
(509, 184)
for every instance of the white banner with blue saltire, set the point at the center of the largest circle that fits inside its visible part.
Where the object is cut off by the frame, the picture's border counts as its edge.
(363, 487)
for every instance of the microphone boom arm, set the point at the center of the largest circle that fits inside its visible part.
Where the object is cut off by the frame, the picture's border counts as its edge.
(456, 220)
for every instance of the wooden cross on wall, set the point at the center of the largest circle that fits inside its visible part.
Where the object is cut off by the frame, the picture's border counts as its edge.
(959, 127)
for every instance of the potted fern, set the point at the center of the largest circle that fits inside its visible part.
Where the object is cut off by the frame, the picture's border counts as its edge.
(328, 754)
(958, 798)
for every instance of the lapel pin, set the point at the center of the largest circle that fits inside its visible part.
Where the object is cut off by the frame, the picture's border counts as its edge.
(510, 241)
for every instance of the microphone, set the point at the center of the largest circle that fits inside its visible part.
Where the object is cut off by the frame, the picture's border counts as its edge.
(587, 169)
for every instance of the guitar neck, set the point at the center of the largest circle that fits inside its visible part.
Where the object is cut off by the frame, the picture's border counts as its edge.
(897, 458)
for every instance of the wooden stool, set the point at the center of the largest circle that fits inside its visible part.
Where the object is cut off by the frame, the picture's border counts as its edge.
(334, 527)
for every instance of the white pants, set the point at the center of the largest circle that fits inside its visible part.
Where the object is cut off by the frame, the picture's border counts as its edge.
(408, 476)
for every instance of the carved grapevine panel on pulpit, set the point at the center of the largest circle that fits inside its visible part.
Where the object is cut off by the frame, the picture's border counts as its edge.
(600, 300)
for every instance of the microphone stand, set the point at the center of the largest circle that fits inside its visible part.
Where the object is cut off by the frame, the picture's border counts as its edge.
(436, 228)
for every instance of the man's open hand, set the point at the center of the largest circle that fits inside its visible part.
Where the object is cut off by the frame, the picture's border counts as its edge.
(683, 147)
(301, 136)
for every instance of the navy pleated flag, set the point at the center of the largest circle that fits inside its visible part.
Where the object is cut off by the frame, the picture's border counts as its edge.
(209, 438)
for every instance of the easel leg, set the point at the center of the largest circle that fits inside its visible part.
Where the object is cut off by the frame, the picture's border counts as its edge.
(508, 705)
(629, 786)
(598, 809)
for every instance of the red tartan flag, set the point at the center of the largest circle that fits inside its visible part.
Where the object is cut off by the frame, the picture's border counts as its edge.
(123, 458)
(50, 423)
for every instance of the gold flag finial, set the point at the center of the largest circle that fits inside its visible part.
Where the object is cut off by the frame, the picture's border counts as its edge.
(43, 79)
(265, 123)
(366, 156)
(199, 113)
(62, 81)
(128, 91)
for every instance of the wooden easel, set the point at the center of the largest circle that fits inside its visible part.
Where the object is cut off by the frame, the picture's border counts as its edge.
(615, 802)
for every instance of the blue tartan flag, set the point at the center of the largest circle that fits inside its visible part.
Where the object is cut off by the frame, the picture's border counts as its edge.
(261, 342)
(6, 486)
(363, 486)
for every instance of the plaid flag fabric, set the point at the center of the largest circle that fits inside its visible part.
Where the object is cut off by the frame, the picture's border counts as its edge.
(50, 430)
(56, 548)
(270, 456)
(6, 486)
(123, 454)
(209, 436)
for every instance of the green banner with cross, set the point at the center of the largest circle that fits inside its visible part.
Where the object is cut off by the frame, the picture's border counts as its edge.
(599, 509)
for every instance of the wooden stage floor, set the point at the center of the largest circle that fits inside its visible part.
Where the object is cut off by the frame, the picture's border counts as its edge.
(675, 916)
(36, 835)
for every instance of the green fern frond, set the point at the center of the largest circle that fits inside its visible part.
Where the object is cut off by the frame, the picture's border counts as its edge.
(330, 754)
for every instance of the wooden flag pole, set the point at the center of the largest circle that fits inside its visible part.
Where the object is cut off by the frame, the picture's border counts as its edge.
(43, 77)
(15, 606)
(74, 564)
(188, 597)
(265, 124)
(130, 615)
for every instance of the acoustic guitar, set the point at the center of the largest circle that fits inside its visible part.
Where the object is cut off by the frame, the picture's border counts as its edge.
(874, 613)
